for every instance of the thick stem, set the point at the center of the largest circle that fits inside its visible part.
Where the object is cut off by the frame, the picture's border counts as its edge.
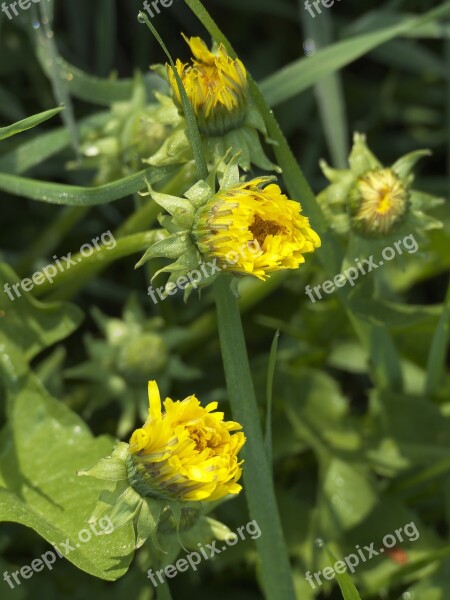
(275, 568)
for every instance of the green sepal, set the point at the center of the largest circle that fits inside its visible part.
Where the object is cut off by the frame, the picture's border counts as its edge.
(244, 142)
(228, 173)
(422, 200)
(171, 247)
(333, 175)
(148, 520)
(166, 223)
(107, 468)
(176, 149)
(199, 193)
(167, 113)
(251, 139)
(127, 508)
(176, 512)
(254, 119)
(361, 158)
(404, 165)
(181, 210)
(111, 468)
(205, 531)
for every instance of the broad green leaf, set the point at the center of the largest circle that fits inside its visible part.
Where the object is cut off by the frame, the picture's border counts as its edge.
(46, 444)
(416, 542)
(348, 494)
(434, 587)
(41, 450)
(28, 123)
(320, 413)
(71, 195)
(411, 432)
(29, 325)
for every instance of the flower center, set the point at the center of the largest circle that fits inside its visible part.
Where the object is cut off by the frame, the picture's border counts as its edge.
(199, 438)
(261, 229)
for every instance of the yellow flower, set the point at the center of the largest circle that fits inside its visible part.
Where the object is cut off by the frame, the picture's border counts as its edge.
(254, 230)
(187, 452)
(378, 202)
(215, 84)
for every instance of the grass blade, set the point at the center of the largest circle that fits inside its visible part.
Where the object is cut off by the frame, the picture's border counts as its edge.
(28, 123)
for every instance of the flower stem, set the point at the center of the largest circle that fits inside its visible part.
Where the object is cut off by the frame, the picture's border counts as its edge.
(275, 568)
(164, 592)
(83, 266)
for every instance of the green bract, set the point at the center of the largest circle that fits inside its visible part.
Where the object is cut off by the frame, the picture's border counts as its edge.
(125, 499)
(244, 140)
(134, 348)
(181, 244)
(374, 201)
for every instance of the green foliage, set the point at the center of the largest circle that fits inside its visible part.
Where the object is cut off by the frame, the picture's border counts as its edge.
(346, 412)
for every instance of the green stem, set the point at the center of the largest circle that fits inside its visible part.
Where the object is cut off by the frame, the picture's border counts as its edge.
(275, 568)
(164, 591)
(138, 221)
(252, 292)
(102, 257)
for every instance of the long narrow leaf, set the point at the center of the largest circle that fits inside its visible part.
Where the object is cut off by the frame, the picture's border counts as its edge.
(28, 123)
(71, 195)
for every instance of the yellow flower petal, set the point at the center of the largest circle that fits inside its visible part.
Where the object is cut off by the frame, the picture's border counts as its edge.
(187, 452)
(154, 400)
(254, 230)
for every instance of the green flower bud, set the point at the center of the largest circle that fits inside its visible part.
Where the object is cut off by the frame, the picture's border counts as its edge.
(142, 358)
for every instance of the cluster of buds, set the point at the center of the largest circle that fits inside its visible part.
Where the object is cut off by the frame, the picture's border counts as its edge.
(133, 349)
(131, 131)
(186, 455)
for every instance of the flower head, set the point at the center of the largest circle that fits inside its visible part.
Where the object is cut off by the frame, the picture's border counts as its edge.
(215, 84)
(253, 229)
(248, 228)
(229, 121)
(375, 201)
(378, 202)
(187, 452)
